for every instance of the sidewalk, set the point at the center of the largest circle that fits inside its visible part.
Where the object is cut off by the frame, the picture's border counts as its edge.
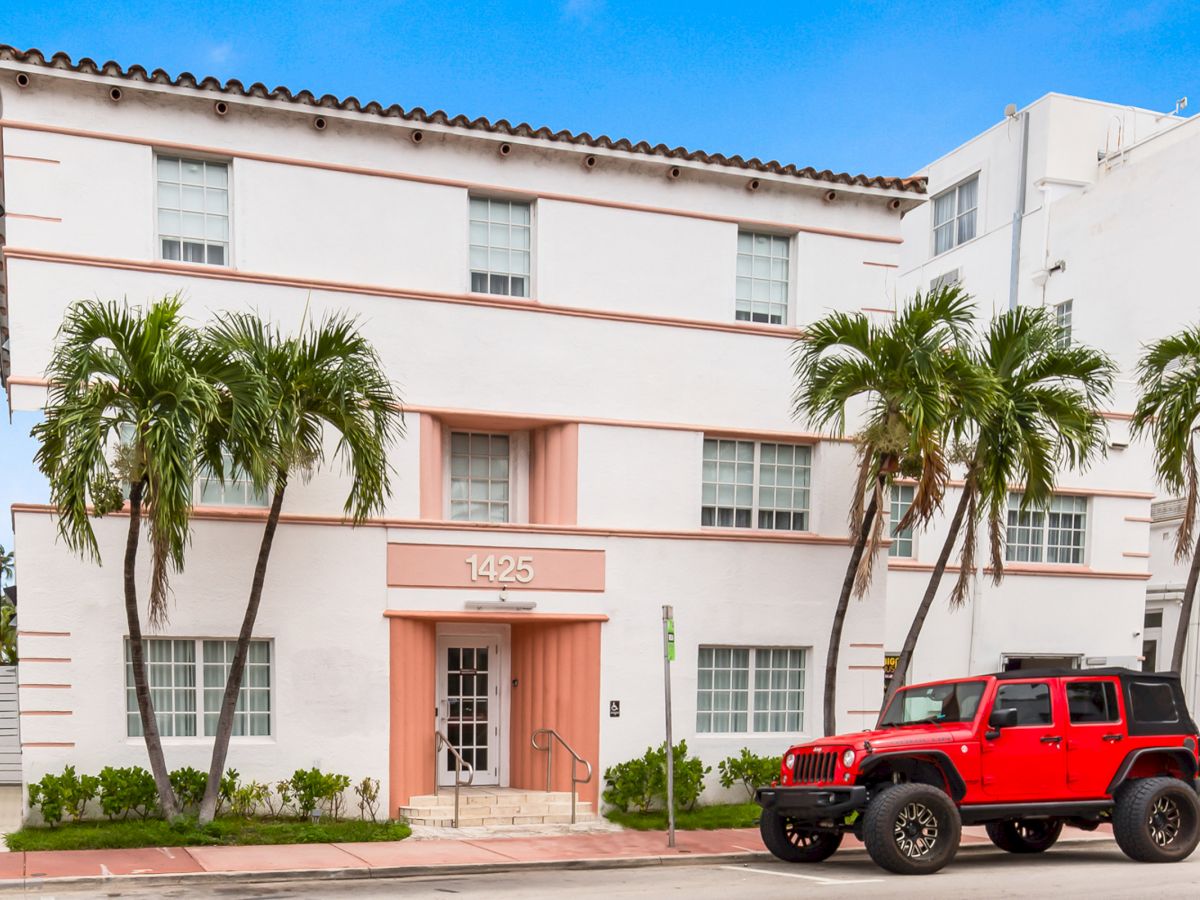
(407, 858)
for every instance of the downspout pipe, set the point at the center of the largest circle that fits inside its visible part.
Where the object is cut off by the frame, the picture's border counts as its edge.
(1014, 271)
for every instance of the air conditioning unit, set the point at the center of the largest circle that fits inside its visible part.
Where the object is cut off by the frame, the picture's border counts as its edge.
(946, 279)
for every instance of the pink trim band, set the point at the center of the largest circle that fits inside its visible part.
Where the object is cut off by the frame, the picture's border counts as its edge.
(46, 659)
(43, 633)
(47, 712)
(32, 217)
(47, 743)
(1048, 569)
(1136, 554)
(38, 159)
(43, 687)
(1146, 519)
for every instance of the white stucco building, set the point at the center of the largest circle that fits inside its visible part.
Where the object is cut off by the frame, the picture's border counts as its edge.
(592, 340)
(1104, 206)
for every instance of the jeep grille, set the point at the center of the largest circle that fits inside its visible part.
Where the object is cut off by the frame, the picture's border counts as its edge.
(815, 768)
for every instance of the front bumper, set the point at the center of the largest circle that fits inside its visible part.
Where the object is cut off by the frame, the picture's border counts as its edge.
(811, 803)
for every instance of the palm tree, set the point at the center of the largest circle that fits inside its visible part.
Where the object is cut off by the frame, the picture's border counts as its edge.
(327, 376)
(124, 376)
(6, 566)
(1168, 413)
(1043, 416)
(911, 374)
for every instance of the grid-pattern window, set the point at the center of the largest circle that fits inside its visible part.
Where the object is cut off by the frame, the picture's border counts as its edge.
(237, 490)
(500, 247)
(954, 213)
(750, 689)
(747, 484)
(171, 671)
(1055, 535)
(193, 210)
(762, 278)
(778, 689)
(479, 477)
(902, 538)
(252, 715)
(1062, 315)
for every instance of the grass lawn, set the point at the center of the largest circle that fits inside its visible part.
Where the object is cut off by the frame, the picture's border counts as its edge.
(187, 833)
(702, 818)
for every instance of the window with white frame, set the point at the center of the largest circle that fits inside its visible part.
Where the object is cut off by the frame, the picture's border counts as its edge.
(1062, 315)
(193, 210)
(902, 538)
(750, 689)
(1054, 535)
(954, 213)
(762, 278)
(500, 247)
(480, 477)
(749, 484)
(236, 490)
(171, 668)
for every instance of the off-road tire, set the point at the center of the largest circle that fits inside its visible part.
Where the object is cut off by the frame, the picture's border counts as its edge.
(912, 829)
(1025, 835)
(1157, 819)
(790, 841)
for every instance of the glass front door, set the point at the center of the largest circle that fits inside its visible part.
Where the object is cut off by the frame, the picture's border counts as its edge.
(468, 713)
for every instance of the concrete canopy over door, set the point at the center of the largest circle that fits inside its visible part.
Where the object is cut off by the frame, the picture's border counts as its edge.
(555, 669)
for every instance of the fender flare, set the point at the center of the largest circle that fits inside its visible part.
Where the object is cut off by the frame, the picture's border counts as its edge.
(939, 758)
(1187, 762)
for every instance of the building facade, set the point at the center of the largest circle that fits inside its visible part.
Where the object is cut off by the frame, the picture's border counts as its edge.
(1083, 207)
(592, 339)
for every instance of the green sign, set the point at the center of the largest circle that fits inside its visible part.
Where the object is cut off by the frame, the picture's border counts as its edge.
(671, 640)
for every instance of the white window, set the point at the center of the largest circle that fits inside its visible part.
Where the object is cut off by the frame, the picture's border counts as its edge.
(1056, 535)
(252, 715)
(755, 485)
(954, 214)
(1062, 315)
(480, 469)
(902, 538)
(762, 278)
(172, 664)
(193, 210)
(744, 689)
(500, 247)
(237, 489)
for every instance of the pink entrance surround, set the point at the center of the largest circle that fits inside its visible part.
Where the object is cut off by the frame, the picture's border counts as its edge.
(555, 684)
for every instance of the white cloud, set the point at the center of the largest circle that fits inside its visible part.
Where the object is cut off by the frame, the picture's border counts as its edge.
(219, 54)
(582, 11)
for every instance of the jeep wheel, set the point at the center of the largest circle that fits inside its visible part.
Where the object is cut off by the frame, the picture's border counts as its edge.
(1157, 820)
(912, 829)
(1025, 835)
(790, 841)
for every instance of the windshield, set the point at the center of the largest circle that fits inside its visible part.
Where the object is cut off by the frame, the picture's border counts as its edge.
(955, 701)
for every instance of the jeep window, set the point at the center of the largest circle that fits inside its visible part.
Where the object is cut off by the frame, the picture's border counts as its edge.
(1092, 701)
(1031, 701)
(1152, 701)
(937, 703)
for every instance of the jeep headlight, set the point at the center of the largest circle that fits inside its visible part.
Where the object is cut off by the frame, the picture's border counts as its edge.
(790, 760)
(848, 759)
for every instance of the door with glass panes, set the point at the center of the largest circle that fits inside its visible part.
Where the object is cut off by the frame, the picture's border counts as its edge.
(469, 705)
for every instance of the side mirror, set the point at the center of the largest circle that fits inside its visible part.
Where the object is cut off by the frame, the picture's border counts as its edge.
(1000, 718)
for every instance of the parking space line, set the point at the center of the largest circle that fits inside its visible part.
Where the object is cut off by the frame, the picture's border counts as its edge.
(819, 879)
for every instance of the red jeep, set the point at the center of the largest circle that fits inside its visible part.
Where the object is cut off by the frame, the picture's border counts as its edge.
(1023, 752)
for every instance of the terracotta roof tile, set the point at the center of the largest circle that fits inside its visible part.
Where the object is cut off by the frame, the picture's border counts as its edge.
(419, 115)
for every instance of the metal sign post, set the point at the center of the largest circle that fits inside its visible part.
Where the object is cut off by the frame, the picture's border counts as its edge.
(668, 655)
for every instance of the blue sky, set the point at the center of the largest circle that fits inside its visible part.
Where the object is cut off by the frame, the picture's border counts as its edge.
(880, 87)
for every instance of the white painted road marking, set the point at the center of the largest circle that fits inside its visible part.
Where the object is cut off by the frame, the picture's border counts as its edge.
(819, 879)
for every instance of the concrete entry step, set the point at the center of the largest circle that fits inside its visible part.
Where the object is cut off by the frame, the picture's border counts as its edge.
(484, 807)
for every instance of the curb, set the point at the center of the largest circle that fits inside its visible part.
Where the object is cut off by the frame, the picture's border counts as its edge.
(364, 873)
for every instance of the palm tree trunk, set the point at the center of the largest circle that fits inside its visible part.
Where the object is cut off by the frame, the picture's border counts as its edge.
(237, 667)
(931, 589)
(839, 614)
(137, 653)
(1185, 612)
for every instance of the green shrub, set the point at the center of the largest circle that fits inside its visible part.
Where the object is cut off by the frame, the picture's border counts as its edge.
(127, 790)
(367, 792)
(749, 770)
(228, 787)
(245, 799)
(642, 782)
(311, 789)
(68, 793)
(189, 785)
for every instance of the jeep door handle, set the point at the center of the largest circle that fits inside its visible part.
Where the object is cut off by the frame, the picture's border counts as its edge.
(1112, 738)
(1052, 739)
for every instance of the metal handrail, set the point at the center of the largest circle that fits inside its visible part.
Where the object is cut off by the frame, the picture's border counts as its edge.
(439, 740)
(576, 760)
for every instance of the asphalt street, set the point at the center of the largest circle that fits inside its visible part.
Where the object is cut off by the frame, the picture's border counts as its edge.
(1065, 872)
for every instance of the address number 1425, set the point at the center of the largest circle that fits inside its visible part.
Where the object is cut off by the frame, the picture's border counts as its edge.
(501, 569)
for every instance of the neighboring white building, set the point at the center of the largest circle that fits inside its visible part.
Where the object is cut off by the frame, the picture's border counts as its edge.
(592, 340)
(1109, 221)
